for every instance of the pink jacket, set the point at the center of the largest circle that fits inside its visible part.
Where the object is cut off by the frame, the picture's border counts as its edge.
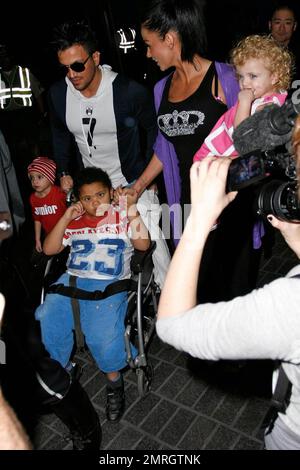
(219, 142)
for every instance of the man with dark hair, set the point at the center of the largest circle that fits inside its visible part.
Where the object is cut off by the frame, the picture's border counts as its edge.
(282, 26)
(103, 112)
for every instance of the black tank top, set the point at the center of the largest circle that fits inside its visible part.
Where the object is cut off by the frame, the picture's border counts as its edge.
(187, 123)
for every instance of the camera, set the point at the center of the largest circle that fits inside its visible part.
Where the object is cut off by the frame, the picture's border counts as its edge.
(281, 199)
(263, 140)
(246, 170)
(274, 195)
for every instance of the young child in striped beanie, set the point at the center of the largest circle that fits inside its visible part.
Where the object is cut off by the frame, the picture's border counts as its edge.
(48, 202)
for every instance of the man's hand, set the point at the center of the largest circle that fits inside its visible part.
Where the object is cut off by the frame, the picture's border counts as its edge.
(208, 197)
(66, 183)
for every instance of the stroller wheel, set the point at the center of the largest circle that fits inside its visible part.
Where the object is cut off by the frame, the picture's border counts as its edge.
(144, 379)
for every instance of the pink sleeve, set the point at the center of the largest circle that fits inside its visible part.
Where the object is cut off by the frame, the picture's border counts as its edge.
(201, 153)
(219, 142)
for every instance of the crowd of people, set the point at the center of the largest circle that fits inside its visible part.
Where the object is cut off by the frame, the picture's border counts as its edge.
(111, 138)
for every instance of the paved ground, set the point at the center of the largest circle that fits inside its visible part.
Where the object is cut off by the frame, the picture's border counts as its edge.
(192, 404)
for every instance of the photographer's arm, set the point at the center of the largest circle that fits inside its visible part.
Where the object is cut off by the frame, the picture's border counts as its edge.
(208, 179)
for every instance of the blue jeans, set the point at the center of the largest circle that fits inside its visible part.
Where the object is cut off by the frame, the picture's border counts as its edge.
(102, 322)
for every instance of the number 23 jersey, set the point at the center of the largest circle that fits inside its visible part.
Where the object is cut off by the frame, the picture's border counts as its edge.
(100, 248)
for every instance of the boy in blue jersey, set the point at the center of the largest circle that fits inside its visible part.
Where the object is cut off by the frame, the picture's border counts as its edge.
(101, 239)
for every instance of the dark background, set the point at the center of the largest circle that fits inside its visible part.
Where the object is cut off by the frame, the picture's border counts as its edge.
(27, 31)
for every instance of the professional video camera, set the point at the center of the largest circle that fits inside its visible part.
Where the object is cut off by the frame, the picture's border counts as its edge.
(264, 142)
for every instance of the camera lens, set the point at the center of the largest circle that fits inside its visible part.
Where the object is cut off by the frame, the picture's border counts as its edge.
(279, 198)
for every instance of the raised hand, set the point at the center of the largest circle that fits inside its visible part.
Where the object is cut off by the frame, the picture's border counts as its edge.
(74, 211)
(208, 196)
(246, 96)
(125, 196)
(66, 183)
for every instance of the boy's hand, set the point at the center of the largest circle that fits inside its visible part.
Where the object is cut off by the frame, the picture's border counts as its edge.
(116, 195)
(130, 195)
(74, 211)
(38, 246)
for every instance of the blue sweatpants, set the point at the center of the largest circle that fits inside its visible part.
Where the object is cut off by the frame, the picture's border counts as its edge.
(102, 322)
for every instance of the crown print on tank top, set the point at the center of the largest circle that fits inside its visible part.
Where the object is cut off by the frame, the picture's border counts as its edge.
(194, 115)
(180, 123)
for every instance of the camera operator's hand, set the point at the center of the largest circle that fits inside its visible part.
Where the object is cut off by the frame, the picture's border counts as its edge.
(208, 196)
(290, 232)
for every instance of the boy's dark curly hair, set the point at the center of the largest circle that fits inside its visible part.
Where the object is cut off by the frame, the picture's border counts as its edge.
(90, 175)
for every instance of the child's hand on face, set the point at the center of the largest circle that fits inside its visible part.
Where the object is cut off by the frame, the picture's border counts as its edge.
(74, 211)
(246, 96)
